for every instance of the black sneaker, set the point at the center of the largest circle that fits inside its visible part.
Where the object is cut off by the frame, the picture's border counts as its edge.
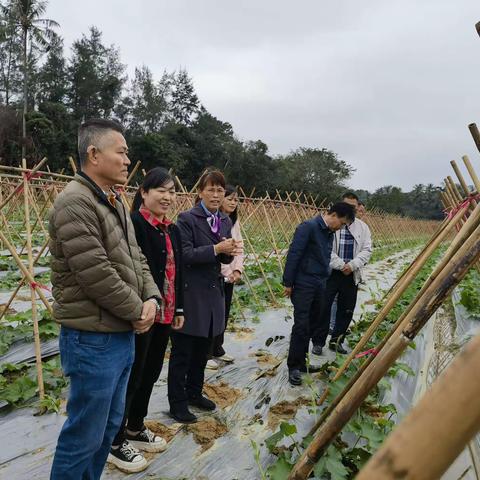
(127, 458)
(295, 377)
(147, 441)
(202, 402)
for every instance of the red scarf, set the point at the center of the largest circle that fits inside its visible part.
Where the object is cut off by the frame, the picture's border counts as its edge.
(167, 308)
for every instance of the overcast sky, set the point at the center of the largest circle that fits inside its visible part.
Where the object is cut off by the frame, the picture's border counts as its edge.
(388, 85)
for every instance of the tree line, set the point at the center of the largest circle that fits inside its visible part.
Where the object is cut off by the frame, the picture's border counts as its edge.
(45, 94)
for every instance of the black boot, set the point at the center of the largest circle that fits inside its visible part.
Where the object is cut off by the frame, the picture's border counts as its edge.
(202, 402)
(182, 414)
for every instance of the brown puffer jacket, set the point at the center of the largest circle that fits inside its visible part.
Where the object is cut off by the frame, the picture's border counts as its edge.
(100, 277)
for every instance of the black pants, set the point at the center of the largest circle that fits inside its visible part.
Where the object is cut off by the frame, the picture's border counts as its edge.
(307, 309)
(217, 344)
(149, 355)
(344, 286)
(186, 369)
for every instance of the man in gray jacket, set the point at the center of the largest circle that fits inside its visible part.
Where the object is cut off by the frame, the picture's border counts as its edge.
(352, 249)
(103, 293)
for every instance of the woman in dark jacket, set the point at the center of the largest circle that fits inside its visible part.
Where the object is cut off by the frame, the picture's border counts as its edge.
(160, 242)
(206, 244)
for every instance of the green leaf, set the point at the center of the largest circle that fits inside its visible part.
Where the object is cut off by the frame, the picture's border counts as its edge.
(358, 456)
(51, 404)
(288, 429)
(272, 441)
(23, 388)
(372, 434)
(393, 371)
(280, 470)
(331, 462)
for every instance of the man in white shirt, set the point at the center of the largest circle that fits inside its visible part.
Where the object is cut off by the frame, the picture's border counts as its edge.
(352, 249)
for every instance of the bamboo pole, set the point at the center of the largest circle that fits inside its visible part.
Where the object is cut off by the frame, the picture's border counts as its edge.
(475, 134)
(22, 282)
(36, 332)
(460, 177)
(132, 173)
(73, 165)
(259, 263)
(472, 173)
(438, 426)
(14, 192)
(25, 271)
(433, 297)
(454, 188)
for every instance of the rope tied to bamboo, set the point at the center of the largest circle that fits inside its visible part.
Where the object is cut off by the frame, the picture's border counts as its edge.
(27, 176)
(39, 285)
(370, 351)
(450, 213)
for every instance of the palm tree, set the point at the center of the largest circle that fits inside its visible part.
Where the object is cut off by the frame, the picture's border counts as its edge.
(37, 34)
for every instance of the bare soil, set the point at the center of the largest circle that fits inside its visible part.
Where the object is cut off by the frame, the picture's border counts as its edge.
(162, 430)
(206, 431)
(285, 410)
(222, 394)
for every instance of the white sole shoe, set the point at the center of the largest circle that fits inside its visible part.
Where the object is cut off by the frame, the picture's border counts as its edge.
(226, 358)
(152, 447)
(212, 365)
(128, 467)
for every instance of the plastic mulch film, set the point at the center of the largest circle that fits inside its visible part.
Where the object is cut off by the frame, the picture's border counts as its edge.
(253, 396)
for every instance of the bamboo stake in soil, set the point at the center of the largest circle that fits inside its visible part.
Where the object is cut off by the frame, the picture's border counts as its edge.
(426, 306)
(460, 177)
(438, 426)
(36, 333)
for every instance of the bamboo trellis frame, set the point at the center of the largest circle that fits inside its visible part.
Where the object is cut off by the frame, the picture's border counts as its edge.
(267, 222)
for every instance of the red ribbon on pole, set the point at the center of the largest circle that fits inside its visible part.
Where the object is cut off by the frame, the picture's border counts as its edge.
(453, 211)
(371, 351)
(39, 285)
(28, 176)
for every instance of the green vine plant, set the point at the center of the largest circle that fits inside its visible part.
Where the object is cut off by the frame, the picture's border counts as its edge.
(470, 293)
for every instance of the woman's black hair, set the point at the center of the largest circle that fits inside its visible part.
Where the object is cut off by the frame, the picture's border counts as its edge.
(229, 190)
(155, 178)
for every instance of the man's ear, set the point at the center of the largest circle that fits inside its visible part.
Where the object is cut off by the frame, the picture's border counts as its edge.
(92, 155)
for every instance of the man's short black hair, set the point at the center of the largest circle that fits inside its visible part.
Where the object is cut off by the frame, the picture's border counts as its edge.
(350, 195)
(343, 210)
(91, 132)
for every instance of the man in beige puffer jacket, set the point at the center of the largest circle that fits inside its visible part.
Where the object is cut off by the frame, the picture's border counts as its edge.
(103, 293)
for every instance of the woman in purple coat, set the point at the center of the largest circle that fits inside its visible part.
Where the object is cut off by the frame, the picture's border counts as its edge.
(206, 244)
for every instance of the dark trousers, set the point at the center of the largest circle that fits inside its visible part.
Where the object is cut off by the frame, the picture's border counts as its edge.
(186, 369)
(149, 355)
(217, 344)
(307, 309)
(345, 287)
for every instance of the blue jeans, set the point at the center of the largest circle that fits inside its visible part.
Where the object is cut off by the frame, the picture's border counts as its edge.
(98, 365)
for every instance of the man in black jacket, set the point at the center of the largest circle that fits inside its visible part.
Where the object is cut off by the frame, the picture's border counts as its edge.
(306, 272)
